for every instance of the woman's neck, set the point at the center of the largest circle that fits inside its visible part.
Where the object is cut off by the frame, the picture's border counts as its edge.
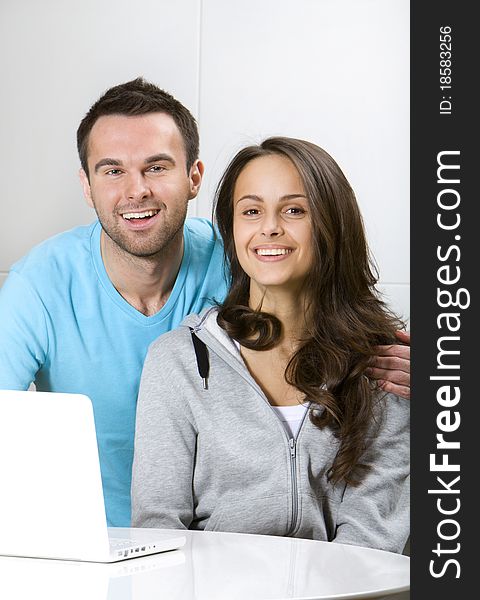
(288, 306)
(268, 367)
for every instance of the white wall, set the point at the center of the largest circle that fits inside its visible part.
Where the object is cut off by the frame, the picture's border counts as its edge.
(331, 71)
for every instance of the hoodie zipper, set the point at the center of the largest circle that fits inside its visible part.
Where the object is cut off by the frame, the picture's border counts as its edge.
(293, 471)
(292, 444)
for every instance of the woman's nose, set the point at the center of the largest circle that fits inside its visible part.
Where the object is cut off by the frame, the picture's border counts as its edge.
(271, 225)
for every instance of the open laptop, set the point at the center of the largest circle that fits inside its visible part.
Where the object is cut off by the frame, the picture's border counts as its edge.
(51, 496)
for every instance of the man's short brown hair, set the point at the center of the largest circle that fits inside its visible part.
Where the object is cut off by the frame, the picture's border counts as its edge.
(139, 97)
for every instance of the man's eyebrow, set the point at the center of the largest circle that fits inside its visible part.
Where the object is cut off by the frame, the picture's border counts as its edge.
(113, 162)
(160, 158)
(107, 162)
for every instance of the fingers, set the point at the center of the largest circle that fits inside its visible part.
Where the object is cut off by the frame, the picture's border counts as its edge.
(395, 377)
(403, 336)
(391, 366)
(392, 388)
(402, 352)
(391, 363)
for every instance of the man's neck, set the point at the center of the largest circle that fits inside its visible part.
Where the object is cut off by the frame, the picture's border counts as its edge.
(144, 282)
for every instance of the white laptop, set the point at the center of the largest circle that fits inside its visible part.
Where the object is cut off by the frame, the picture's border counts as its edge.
(51, 497)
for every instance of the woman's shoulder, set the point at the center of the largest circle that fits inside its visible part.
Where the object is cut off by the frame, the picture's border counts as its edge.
(393, 412)
(178, 341)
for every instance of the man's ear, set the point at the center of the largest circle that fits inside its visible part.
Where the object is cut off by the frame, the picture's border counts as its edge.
(195, 176)
(87, 193)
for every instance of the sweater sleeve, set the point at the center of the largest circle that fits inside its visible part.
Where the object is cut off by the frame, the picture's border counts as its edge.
(164, 457)
(23, 334)
(376, 513)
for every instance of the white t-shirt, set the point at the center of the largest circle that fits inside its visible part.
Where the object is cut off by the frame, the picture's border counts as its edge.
(291, 417)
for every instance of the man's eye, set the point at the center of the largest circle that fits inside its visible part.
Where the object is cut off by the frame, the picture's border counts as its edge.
(156, 169)
(113, 172)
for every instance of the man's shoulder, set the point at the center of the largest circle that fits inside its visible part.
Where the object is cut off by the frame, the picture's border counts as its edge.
(202, 229)
(60, 249)
(203, 245)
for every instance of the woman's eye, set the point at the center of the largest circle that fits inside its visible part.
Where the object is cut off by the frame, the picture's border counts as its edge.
(295, 210)
(250, 212)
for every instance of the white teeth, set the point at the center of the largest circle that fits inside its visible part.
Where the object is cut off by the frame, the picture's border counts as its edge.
(273, 251)
(140, 215)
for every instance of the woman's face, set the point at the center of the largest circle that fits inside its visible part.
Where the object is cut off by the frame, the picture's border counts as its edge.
(272, 226)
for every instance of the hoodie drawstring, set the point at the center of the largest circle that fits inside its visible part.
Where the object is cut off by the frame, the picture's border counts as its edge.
(201, 353)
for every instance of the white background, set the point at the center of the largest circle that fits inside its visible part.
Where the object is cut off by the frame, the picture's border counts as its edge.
(335, 72)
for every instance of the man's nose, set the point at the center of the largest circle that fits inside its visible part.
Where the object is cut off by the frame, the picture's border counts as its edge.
(137, 187)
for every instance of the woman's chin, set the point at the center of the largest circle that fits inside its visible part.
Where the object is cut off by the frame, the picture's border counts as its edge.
(277, 285)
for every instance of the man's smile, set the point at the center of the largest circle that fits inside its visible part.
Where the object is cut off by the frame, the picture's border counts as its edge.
(140, 215)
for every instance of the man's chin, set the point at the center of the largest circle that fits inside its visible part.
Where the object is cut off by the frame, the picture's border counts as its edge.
(138, 244)
(139, 250)
(144, 253)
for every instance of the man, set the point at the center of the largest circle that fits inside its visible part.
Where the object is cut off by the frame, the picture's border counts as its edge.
(78, 313)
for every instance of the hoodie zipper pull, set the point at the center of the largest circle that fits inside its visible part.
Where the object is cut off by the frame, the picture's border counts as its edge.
(292, 447)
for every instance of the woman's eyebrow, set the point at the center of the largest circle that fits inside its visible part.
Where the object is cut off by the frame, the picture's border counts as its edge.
(250, 197)
(285, 198)
(292, 197)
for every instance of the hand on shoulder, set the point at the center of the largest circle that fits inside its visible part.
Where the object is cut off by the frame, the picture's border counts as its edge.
(391, 366)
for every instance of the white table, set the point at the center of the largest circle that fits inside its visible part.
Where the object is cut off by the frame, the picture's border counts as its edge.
(216, 566)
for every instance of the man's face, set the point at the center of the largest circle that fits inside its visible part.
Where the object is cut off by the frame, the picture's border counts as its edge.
(138, 182)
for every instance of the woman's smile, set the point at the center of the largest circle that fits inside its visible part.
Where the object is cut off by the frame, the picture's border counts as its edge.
(272, 253)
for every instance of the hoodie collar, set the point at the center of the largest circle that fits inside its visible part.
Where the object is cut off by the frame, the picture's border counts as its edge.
(206, 321)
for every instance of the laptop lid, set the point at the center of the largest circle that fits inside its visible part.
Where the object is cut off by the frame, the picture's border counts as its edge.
(51, 503)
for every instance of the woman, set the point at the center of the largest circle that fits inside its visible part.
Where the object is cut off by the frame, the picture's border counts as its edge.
(256, 416)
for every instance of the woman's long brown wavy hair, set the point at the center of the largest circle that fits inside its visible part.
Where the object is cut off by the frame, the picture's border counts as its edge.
(346, 318)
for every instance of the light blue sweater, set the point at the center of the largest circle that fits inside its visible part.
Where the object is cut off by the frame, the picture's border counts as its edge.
(65, 327)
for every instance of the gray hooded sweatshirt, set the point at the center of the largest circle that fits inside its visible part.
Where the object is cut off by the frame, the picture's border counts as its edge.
(220, 459)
